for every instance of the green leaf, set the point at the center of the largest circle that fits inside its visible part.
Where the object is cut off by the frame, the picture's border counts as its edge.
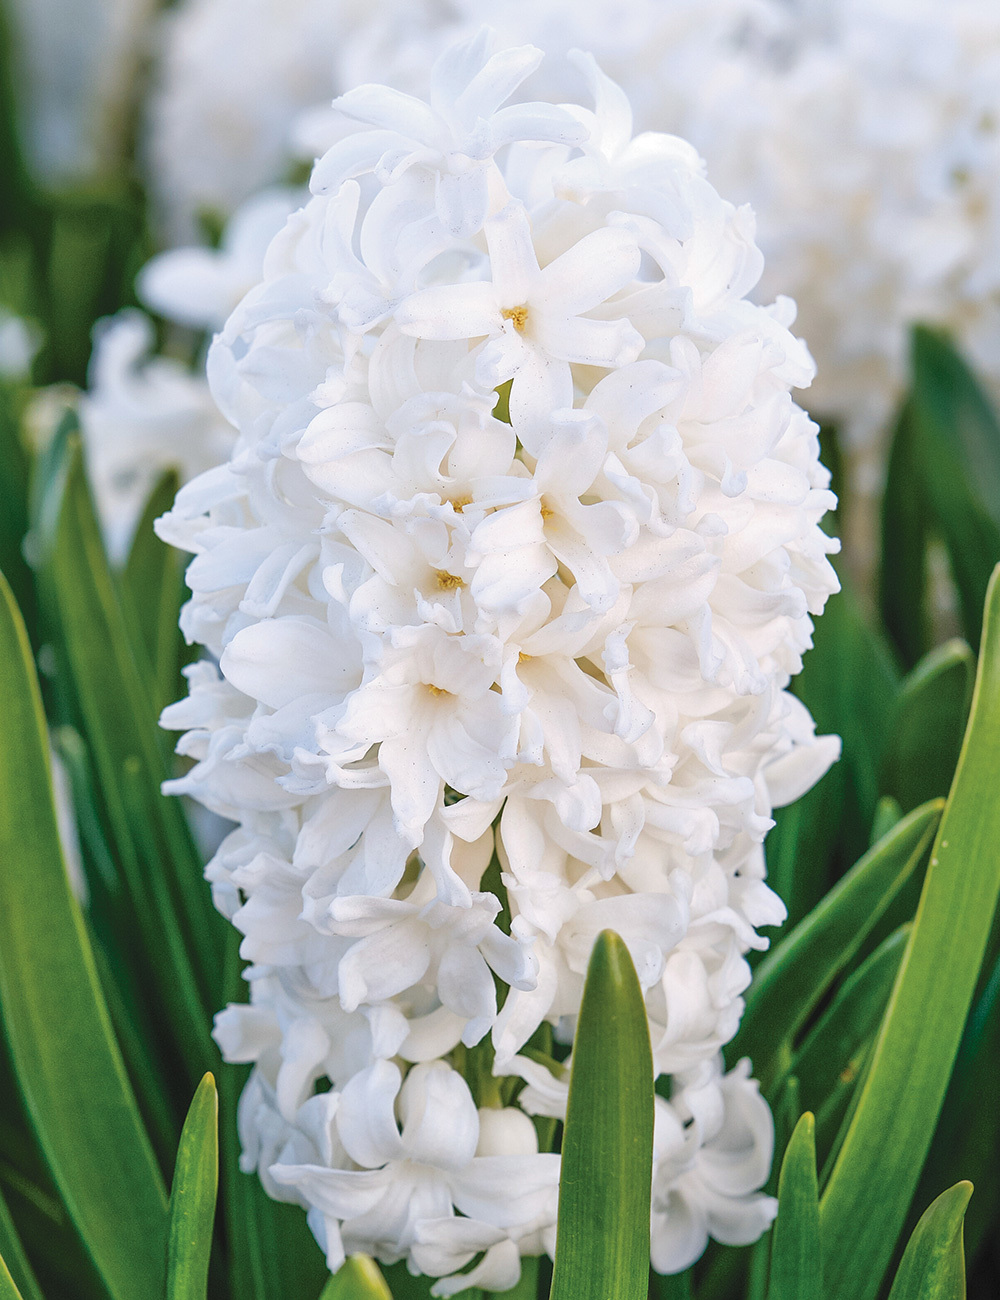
(358, 1279)
(12, 1254)
(192, 1197)
(967, 1140)
(905, 528)
(607, 1151)
(933, 1264)
(887, 814)
(14, 515)
(671, 1286)
(829, 1061)
(866, 1199)
(790, 982)
(803, 843)
(955, 400)
(849, 683)
(8, 1291)
(925, 737)
(957, 454)
(153, 582)
(796, 1251)
(57, 1024)
(107, 692)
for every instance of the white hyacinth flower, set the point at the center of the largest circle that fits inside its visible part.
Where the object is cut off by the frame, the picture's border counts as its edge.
(506, 578)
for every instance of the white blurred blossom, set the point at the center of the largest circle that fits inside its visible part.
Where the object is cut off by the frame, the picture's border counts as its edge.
(230, 77)
(505, 581)
(863, 134)
(141, 416)
(144, 414)
(20, 340)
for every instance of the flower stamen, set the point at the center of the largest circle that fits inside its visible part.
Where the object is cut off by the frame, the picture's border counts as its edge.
(519, 316)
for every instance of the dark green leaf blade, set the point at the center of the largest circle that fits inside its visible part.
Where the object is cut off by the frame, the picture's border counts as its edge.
(107, 690)
(905, 528)
(12, 1253)
(796, 1252)
(967, 1140)
(607, 1151)
(933, 1264)
(192, 1197)
(957, 450)
(790, 981)
(57, 1024)
(153, 583)
(829, 1061)
(866, 1200)
(928, 725)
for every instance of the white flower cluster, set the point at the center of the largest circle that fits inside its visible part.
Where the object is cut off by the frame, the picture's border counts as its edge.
(506, 578)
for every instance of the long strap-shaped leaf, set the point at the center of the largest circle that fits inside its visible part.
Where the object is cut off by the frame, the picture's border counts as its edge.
(155, 855)
(792, 979)
(796, 1254)
(12, 1253)
(866, 1199)
(67, 1062)
(933, 1265)
(192, 1197)
(602, 1250)
(8, 1290)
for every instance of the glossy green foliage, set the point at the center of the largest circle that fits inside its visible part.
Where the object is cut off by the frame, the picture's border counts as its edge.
(12, 1254)
(967, 1140)
(790, 982)
(927, 726)
(906, 527)
(55, 1017)
(192, 1197)
(104, 678)
(832, 1056)
(865, 1202)
(153, 584)
(849, 683)
(796, 1251)
(933, 1264)
(607, 1151)
(956, 457)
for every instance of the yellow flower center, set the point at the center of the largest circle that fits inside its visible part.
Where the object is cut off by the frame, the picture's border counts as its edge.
(519, 315)
(448, 581)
